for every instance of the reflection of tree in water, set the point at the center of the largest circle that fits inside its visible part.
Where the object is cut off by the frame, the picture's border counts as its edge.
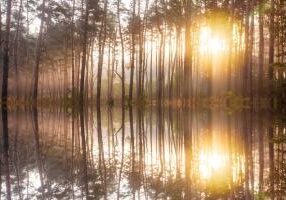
(60, 177)
(228, 156)
(235, 181)
(279, 161)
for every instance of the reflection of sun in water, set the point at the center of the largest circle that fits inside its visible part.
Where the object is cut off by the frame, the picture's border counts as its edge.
(216, 161)
(209, 42)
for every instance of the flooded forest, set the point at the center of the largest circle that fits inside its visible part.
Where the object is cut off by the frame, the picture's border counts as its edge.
(143, 99)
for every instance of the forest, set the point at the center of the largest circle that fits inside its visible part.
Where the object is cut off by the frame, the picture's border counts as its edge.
(141, 99)
(166, 52)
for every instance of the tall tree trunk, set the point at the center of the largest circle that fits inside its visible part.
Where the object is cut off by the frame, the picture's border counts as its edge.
(160, 69)
(38, 56)
(6, 50)
(188, 53)
(102, 39)
(132, 55)
(271, 52)
(87, 70)
(72, 54)
(144, 47)
(111, 96)
(4, 99)
(140, 56)
(250, 54)
(246, 53)
(122, 55)
(16, 42)
(230, 57)
(261, 49)
(109, 74)
(81, 101)
(84, 55)
(160, 62)
(151, 68)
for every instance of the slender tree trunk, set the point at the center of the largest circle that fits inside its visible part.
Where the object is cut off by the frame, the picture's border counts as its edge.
(92, 75)
(145, 48)
(271, 52)
(188, 53)
(160, 62)
(38, 56)
(122, 55)
(65, 63)
(111, 97)
(84, 55)
(6, 59)
(132, 55)
(151, 68)
(140, 59)
(4, 99)
(81, 110)
(72, 54)
(247, 53)
(230, 57)
(173, 68)
(109, 74)
(87, 69)
(160, 70)
(250, 54)
(102, 39)
(169, 66)
(261, 49)
(16, 42)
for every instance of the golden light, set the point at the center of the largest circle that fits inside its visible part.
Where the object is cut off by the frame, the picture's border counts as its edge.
(218, 161)
(210, 163)
(211, 42)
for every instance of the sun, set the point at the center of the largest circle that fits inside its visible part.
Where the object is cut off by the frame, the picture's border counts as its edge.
(211, 162)
(211, 42)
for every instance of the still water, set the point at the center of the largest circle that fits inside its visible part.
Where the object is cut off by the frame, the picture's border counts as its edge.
(144, 154)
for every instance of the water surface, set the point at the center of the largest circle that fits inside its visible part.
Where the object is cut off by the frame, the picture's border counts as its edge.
(144, 154)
